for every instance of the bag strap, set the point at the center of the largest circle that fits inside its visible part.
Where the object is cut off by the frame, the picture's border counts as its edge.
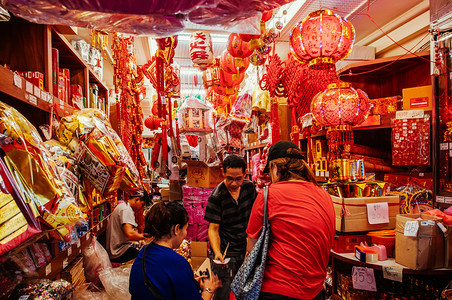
(265, 205)
(147, 282)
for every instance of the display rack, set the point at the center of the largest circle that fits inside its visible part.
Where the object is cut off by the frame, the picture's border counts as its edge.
(342, 263)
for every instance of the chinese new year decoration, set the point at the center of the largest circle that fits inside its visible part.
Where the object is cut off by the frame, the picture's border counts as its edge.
(339, 108)
(201, 53)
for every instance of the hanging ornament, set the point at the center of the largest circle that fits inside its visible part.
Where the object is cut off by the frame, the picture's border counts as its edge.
(238, 47)
(233, 64)
(322, 38)
(258, 59)
(279, 25)
(264, 49)
(201, 49)
(251, 39)
(266, 15)
(270, 36)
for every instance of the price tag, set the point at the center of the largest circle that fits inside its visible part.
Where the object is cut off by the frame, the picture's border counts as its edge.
(36, 91)
(440, 199)
(17, 80)
(364, 279)
(377, 213)
(65, 263)
(28, 87)
(317, 173)
(24, 297)
(78, 243)
(411, 228)
(33, 100)
(448, 200)
(48, 269)
(327, 174)
(450, 153)
(69, 250)
(322, 173)
(393, 273)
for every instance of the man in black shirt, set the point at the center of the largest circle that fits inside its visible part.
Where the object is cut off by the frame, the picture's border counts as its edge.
(228, 210)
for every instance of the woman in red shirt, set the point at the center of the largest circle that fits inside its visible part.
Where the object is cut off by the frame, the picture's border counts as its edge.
(302, 221)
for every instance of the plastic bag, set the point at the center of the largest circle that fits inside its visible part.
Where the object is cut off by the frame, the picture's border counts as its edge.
(116, 282)
(95, 260)
(89, 291)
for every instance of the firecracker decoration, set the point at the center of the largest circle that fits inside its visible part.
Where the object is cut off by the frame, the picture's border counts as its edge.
(129, 82)
(271, 81)
(99, 39)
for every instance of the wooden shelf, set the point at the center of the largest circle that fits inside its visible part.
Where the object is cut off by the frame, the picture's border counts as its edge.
(390, 262)
(65, 257)
(24, 90)
(255, 147)
(388, 65)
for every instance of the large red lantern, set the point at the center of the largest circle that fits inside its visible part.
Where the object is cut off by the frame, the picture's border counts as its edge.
(238, 47)
(233, 64)
(339, 108)
(322, 38)
(201, 49)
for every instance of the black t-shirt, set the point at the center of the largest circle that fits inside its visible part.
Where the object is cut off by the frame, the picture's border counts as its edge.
(232, 216)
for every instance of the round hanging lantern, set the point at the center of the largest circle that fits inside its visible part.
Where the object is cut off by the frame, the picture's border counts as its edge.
(201, 49)
(233, 64)
(231, 79)
(322, 38)
(238, 47)
(340, 104)
(258, 59)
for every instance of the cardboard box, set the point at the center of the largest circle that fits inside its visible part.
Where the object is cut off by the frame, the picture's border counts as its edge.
(448, 248)
(199, 174)
(351, 213)
(423, 251)
(418, 98)
(198, 254)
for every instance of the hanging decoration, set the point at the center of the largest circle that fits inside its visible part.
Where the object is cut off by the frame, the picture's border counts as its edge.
(322, 38)
(238, 47)
(339, 108)
(129, 81)
(201, 53)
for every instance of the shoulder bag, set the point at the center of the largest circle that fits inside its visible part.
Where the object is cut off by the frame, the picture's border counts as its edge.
(247, 283)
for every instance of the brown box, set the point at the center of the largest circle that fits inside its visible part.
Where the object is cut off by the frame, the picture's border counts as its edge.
(418, 98)
(198, 254)
(199, 174)
(448, 248)
(351, 213)
(423, 251)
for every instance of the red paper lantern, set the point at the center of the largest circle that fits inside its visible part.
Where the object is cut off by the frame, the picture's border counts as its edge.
(152, 122)
(249, 37)
(201, 49)
(231, 79)
(322, 38)
(238, 47)
(340, 104)
(258, 59)
(233, 64)
(266, 15)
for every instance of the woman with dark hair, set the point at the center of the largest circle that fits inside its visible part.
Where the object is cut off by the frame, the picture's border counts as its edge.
(302, 223)
(163, 273)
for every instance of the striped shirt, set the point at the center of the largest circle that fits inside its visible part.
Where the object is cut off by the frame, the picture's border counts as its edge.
(231, 215)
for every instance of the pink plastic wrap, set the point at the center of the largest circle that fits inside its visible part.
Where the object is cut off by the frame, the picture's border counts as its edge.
(255, 159)
(158, 18)
(192, 231)
(202, 233)
(189, 209)
(198, 214)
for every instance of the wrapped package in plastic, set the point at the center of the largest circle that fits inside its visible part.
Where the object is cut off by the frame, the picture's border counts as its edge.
(95, 260)
(116, 281)
(35, 174)
(100, 153)
(89, 291)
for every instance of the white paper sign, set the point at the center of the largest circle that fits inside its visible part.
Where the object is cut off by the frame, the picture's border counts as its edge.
(33, 99)
(69, 251)
(394, 273)
(364, 279)
(36, 91)
(377, 213)
(48, 269)
(411, 228)
(17, 80)
(78, 243)
(65, 263)
(28, 87)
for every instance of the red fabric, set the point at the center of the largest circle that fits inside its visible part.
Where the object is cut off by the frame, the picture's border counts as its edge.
(302, 221)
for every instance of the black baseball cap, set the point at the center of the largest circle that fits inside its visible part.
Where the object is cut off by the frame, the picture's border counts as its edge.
(279, 150)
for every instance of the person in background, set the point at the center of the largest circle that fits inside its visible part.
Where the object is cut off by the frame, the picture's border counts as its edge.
(169, 272)
(302, 222)
(228, 210)
(121, 228)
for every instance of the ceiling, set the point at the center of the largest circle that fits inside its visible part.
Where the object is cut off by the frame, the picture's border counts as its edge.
(405, 21)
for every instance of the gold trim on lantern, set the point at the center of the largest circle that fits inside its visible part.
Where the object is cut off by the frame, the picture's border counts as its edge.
(321, 60)
(339, 128)
(339, 85)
